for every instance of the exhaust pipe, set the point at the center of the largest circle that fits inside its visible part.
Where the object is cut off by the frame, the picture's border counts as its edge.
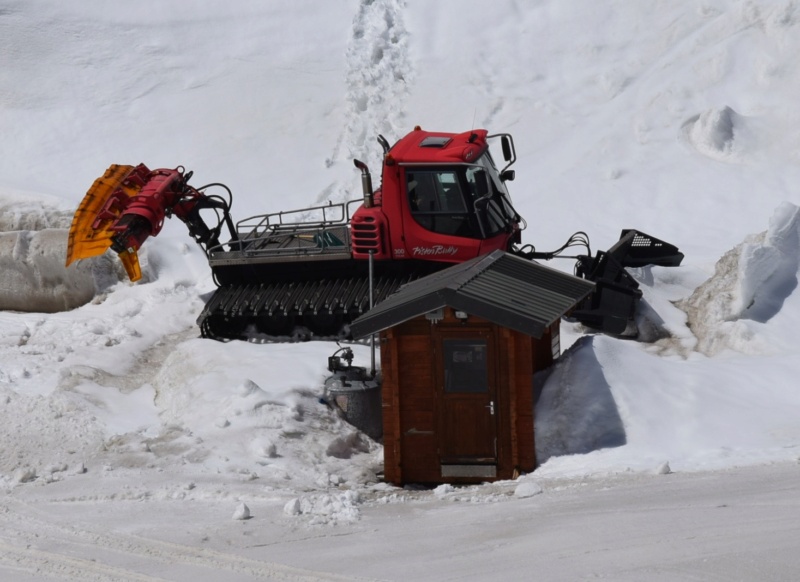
(366, 183)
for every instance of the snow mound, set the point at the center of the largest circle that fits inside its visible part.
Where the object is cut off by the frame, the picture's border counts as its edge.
(242, 512)
(326, 508)
(663, 469)
(35, 278)
(715, 133)
(527, 489)
(751, 282)
(443, 490)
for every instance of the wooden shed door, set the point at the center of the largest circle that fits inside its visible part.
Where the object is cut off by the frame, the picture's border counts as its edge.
(467, 398)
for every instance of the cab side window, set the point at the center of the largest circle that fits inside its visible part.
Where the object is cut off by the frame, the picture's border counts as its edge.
(437, 202)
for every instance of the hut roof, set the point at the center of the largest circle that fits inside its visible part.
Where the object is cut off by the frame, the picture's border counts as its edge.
(508, 290)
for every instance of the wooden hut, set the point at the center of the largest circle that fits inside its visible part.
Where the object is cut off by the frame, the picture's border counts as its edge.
(458, 351)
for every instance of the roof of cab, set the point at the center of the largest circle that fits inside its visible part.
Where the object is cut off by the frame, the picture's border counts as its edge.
(430, 147)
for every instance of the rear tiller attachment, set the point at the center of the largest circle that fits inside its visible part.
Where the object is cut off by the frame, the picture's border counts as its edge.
(613, 304)
(612, 307)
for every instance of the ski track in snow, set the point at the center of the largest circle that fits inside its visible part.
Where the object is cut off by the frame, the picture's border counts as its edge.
(378, 76)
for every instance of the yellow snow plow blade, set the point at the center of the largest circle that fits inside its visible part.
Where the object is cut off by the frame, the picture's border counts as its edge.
(130, 260)
(90, 233)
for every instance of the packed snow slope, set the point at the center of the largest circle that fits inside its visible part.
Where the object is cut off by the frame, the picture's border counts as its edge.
(676, 118)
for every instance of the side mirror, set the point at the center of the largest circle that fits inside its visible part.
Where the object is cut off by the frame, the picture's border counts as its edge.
(507, 175)
(506, 145)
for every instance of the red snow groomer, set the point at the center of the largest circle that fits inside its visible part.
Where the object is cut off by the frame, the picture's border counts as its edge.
(442, 201)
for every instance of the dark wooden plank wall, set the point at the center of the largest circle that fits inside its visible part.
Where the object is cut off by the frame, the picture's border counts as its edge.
(390, 405)
(523, 366)
(417, 405)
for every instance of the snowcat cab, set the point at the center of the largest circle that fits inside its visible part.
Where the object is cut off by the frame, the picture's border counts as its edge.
(442, 199)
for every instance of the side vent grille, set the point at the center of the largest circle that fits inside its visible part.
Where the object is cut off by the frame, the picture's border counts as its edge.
(366, 237)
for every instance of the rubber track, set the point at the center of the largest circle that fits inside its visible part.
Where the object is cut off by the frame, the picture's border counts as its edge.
(264, 307)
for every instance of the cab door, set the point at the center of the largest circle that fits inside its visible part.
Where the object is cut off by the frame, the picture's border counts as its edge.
(438, 220)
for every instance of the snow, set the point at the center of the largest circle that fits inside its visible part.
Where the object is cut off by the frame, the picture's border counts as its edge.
(750, 286)
(132, 449)
(242, 512)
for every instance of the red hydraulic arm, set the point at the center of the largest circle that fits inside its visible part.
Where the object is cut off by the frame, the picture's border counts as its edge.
(128, 204)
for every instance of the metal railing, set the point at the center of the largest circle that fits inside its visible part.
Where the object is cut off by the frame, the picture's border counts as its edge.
(316, 230)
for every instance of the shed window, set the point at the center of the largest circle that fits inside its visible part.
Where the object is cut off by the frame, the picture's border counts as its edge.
(465, 366)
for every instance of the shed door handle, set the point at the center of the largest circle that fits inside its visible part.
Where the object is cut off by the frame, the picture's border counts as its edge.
(490, 406)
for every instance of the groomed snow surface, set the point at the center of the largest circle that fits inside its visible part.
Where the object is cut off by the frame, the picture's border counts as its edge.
(134, 450)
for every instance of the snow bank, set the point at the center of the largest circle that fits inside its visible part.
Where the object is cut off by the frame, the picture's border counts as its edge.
(750, 284)
(667, 401)
(35, 278)
(694, 413)
(33, 250)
